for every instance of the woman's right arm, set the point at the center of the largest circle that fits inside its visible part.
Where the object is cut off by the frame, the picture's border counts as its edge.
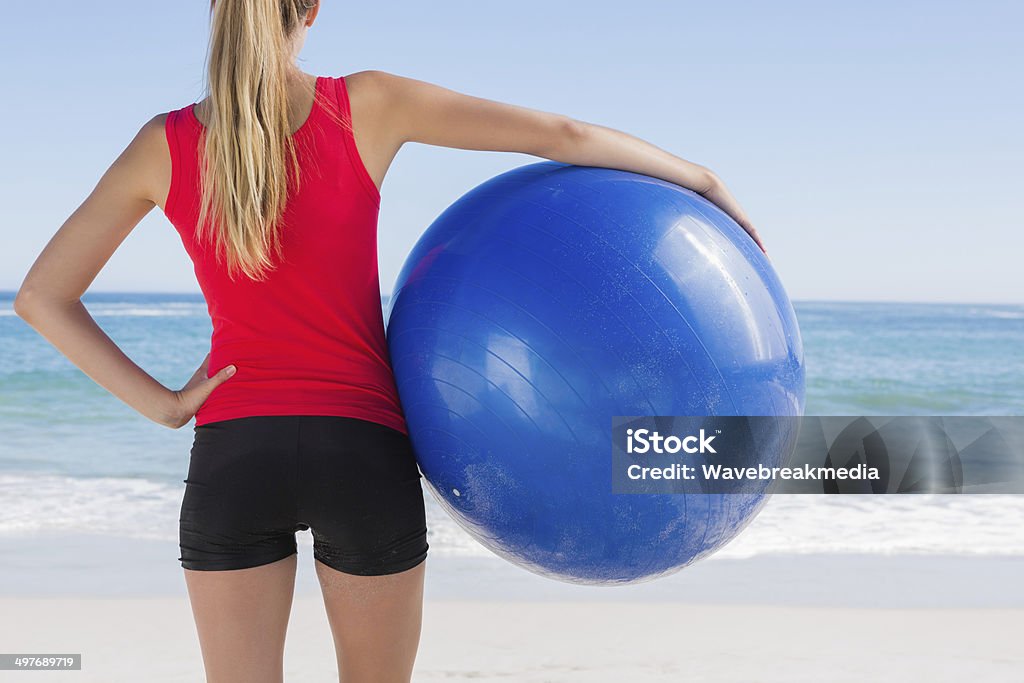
(416, 111)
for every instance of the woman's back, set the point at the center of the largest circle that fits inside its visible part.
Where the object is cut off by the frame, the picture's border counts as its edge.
(308, 339)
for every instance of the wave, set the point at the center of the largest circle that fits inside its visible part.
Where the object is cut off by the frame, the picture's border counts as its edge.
(885, 525)
(127, 507)
(173, 310)
(794, 524)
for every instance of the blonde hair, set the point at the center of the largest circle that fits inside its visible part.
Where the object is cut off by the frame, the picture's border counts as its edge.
(248, 145)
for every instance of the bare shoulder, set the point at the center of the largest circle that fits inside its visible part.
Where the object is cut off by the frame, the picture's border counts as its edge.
(375, 80)
(374, 90)
(150, 157)
(377, 101)
(152, 136)
(388, 104)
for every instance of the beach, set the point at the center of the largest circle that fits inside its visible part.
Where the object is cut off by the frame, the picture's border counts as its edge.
(151, 639)
(765, 618)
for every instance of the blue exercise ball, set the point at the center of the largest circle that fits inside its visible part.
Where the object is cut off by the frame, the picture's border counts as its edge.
(548, 300)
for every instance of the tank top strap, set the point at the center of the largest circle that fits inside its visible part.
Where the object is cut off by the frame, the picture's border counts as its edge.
(339, 100)
(344, 109)
(180, 133)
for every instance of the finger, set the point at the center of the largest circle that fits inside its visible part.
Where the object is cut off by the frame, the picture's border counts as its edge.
(201, 391)
(221, 376)
(757, 238)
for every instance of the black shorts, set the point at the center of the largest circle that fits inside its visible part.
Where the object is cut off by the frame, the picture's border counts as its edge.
(255, 481)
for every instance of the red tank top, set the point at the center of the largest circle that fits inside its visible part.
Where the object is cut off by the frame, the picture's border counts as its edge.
(309, 340)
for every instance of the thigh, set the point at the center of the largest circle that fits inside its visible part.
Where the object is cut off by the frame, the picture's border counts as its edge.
(361, 495)
(375, 621)
(241, 618)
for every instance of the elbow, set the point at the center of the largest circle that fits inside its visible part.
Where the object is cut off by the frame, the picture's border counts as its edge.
(574, 130)
(33, 300)
(27, 303)
(569, 138)
(23, 303)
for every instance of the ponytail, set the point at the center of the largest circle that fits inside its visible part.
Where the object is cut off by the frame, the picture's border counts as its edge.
(248, 147)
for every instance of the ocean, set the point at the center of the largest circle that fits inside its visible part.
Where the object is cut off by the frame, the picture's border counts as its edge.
(74, 459)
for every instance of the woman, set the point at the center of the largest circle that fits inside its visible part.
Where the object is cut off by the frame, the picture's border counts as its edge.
(273, 183)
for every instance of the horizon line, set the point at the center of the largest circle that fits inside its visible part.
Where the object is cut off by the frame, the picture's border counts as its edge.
(959, 302)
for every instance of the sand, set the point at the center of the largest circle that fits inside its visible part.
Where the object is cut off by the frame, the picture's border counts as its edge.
(153, 639)
(832, 617)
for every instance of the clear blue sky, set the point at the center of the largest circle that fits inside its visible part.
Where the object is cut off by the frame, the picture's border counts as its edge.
(876, 145)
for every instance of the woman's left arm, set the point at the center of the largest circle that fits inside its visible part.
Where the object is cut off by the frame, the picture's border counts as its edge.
(50, 296)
